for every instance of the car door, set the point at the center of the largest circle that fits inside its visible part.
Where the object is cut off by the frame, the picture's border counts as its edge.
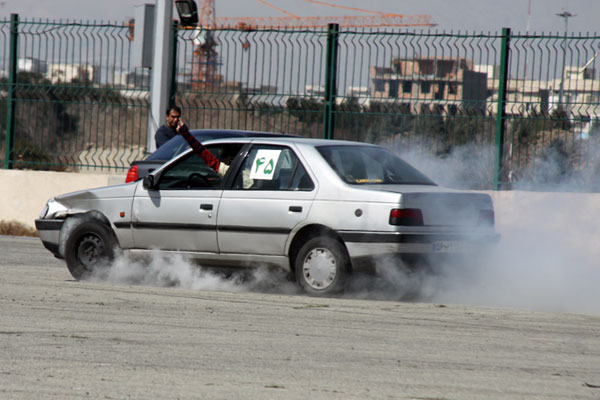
(180, 213)
(271, 194)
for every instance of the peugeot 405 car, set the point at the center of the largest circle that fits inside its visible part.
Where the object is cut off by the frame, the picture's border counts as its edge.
(320, 209)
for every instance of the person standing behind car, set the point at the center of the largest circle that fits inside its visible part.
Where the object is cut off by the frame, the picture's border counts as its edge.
(169, 129)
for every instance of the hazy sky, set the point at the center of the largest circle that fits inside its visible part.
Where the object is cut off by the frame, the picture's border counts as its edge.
(464, 15)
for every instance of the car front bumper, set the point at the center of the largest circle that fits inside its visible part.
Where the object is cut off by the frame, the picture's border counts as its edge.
(49, 232)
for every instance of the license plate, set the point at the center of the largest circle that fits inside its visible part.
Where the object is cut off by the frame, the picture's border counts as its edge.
(449, 246)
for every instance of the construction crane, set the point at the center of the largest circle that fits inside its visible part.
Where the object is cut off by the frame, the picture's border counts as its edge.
(204, 67)
(373, 19)
(204, 70)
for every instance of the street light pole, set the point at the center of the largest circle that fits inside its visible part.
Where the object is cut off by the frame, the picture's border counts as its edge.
(565, 15)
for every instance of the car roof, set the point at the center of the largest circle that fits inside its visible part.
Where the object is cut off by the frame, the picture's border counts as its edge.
(314, 142)
(234, 133)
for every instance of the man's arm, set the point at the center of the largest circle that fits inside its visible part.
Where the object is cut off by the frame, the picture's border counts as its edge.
(202, 151)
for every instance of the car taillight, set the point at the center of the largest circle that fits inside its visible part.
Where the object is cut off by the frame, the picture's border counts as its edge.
(486, 217)
(132, 174)
(406, 216)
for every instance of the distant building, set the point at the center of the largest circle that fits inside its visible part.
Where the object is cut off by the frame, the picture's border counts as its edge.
(118, 78)
(138, 79)
(314, 90)
(431, 82)
(30, 64)
(67, 73)
(492, 71)
(257, 89)
(580, 92)
(357, 91)
(579, 74)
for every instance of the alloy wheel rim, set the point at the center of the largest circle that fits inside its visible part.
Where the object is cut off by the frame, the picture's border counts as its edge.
(319, 268)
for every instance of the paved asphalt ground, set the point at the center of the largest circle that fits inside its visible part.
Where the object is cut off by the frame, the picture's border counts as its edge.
(62, 339)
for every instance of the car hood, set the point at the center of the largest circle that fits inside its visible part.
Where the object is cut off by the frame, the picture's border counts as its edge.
(105, 192)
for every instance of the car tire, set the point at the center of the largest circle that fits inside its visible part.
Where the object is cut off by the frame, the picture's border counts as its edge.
(89, 247)
(322, 266)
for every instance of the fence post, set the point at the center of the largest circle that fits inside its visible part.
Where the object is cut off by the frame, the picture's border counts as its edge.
(331, 67)
(501, 110)
(12, 91)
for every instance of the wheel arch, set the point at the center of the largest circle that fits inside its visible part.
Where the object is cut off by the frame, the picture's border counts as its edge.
(75, 219)
(308, 232)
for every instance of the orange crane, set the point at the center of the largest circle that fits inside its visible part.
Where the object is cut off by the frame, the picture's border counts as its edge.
(204, 66)
(204, 70)
(375, 19)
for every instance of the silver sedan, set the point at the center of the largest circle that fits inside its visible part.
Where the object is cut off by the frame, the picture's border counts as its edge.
(319, 209)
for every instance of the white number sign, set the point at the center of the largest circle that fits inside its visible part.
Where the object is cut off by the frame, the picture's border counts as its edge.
(263, 166)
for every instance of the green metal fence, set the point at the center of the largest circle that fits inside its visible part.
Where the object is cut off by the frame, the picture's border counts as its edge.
(489, 104)
(552, 112)
(69, 99)
(500, 109)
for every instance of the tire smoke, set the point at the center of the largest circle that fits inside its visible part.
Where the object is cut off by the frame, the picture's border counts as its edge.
(175, 270)
(548, 255)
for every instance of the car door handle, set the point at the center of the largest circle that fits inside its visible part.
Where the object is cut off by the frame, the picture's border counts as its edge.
(295, 209)
(206, 207)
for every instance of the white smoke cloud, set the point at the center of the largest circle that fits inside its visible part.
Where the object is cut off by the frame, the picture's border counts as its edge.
(466, 167)
(547, 257)
(174, 270)
(532, 267)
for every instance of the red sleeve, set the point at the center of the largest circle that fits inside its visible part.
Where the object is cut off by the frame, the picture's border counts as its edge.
(199, 149)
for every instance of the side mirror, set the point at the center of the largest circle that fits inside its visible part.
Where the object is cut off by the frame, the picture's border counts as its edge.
(149, 182)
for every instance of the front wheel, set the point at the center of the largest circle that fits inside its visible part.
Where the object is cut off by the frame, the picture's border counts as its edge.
(322, 266)
(89, 247)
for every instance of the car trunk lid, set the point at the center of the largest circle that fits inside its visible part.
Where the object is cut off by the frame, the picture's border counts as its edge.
(451, 209)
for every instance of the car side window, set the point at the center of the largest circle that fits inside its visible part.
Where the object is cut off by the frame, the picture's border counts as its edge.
(269, 167)
(192, 173)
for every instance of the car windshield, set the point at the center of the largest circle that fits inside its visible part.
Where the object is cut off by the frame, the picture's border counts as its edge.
(359, 165)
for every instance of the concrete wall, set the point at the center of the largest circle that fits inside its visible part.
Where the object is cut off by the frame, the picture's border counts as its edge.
(24, 194)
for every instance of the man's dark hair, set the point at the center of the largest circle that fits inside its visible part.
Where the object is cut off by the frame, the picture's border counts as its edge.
(173, 108)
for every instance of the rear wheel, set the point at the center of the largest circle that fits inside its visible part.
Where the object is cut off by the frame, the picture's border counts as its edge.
(89, 247)
(322, 266)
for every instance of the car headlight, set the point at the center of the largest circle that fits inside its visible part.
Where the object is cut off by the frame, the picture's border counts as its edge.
(53, 209)
(44, 211)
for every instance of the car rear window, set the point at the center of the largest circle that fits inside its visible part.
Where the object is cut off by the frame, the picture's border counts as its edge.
(359, 165)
